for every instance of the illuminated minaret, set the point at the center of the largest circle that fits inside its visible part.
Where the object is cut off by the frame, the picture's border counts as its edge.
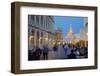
(70, 33)
(70, 36)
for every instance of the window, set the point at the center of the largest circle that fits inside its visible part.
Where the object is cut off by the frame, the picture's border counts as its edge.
(41, 20)
(37, 20)
(33, 18)
(46, 23)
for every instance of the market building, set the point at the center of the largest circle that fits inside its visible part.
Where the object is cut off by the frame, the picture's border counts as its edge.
(84, 33)
(40, 30)
(58, 36)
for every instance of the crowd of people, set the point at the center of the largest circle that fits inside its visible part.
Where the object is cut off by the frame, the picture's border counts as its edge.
(69, 52)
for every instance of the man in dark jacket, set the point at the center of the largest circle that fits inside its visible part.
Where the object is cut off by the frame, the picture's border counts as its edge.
(45, 52)
(38, 53)
(72, 55)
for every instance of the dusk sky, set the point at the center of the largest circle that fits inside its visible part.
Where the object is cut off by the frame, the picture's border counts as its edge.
(64, 22)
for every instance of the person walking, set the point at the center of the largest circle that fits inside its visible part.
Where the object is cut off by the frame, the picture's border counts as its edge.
(55, 48)
(72, 55)
(65, 49)
(38, 53)
(45, 52)
(69, 50)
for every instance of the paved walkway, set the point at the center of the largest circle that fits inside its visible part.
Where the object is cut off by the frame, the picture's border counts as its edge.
(60, 54)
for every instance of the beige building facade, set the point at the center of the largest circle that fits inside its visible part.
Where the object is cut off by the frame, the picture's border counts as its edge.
(40, 30)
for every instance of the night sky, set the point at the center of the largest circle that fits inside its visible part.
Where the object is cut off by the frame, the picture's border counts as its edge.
(64, 22)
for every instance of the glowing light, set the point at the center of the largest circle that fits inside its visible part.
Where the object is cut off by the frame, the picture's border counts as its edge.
(46, 39)
(31, 37)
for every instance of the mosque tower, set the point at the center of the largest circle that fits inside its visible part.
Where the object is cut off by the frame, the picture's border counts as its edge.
(70, 36)
(70, 32)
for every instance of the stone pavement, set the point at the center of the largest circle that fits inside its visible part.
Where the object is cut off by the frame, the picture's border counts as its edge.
(60, 54)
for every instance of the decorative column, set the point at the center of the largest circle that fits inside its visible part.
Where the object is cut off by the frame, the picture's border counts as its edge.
(35, 20)
(39, 38)
(35, 37)
(40, 21)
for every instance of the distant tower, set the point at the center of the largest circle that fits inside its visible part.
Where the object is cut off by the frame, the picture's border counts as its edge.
(70, 33)
(70, 36)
